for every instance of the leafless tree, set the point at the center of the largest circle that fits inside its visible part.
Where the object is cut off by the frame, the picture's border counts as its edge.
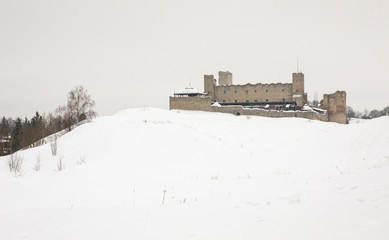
(61, 164)
(15, 164)
(37, 165)
(79, 106)
(54, 145)
(82, 159)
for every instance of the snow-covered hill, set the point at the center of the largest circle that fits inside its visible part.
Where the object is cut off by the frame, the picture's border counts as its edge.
(158, 174)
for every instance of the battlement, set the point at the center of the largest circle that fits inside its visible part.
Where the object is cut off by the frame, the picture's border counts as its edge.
(225, 78)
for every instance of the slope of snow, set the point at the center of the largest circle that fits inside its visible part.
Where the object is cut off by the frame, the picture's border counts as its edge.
(158, 174)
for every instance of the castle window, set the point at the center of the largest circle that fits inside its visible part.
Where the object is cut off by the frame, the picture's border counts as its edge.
(266, 90)
(247, 100)
(255, 91)
(224, 91)
(297, 90)
(255, 101)
(283, 99)
(224, 100)
(236, 101)
(247, 91)
(283, 90)
(267, 100)
(235, 91)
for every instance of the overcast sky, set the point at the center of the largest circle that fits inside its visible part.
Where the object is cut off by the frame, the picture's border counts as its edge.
(136, 53)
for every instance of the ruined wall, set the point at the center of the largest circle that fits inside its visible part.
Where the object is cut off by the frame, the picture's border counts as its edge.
(225, 78)
(254, 93)
(191, 103)
(335, 104)
(238, 110)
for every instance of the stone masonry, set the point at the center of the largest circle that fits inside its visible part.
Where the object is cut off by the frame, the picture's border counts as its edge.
(333, 105)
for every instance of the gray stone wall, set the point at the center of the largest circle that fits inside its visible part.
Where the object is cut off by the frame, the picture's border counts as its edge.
(191, 103)
(254, 93)
(275, 92)
(209, 86)
(238, 110)
(225, 78)
(335, 104)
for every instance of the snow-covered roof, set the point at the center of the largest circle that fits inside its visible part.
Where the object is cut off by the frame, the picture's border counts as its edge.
(307, 108)
(216, 104)
(319, 110)
(189, 90)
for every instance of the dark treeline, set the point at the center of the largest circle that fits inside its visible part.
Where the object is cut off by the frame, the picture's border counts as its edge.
(18, 133)
(366, 114)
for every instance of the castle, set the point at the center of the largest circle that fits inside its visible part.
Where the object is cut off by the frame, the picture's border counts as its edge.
(268, 100)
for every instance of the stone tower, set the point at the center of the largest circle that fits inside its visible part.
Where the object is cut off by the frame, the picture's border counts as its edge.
(335, 104)
(209, 86)
(225, 78)
(298, 88)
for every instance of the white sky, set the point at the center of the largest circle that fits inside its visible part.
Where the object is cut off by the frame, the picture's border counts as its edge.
(135, 53)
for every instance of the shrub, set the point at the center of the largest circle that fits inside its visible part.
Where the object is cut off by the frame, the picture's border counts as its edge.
(15, 164)
(60, 164)
(37, 165)
(54, 145)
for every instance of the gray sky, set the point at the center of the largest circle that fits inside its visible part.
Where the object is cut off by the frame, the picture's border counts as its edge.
(135, 53)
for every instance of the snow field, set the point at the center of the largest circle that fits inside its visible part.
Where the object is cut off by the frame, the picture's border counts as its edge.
(218, 176)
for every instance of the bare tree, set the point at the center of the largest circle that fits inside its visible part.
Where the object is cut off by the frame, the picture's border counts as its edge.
(15, 164)
(37, 165)
(79, 106)
(54, 145)
(61, 164)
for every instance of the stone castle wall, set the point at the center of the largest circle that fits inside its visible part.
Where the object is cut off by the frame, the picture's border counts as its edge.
(225, 78)
(254, 93)
(225, 92)
(274, 92)
(191, 103)
(335, 104)
(238, 110)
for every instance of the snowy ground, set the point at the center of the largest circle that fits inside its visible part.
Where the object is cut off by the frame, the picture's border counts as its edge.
(157, 174)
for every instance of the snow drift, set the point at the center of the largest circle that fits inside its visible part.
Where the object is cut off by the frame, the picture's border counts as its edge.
(152, 173)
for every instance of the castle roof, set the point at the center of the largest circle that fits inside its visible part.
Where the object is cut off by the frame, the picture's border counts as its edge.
(189, 91)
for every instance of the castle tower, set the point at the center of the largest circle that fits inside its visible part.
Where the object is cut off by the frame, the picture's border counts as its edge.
(209, 86)
(225, 78)
(335, 104)
(298, 89)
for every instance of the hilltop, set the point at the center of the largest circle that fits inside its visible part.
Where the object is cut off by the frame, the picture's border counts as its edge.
(151, 173)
